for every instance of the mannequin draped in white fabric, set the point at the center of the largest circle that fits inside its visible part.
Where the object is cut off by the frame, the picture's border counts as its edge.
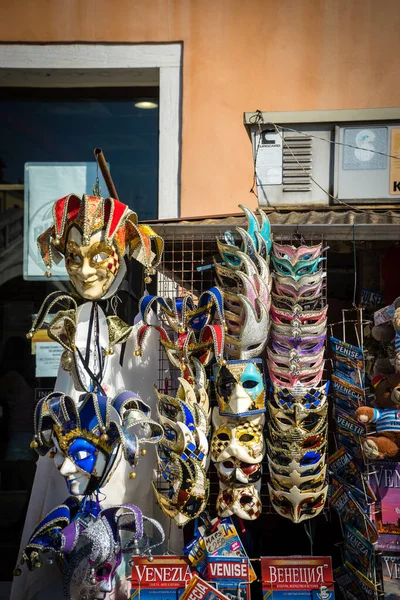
(137, 374)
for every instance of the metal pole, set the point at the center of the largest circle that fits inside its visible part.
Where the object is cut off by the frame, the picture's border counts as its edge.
(101, 161)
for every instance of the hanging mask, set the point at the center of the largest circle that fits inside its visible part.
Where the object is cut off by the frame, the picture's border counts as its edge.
(189, 491)
(305, 467)
(305, 456)
(234, 472)
(240, 388)
(294, 361)
(243, 502)
(296, 293)
(288, 302)
(305, 317)
(293, 441)
(300, 285)
(305, 483)
(296, 505)
(299, 330)
(304, 345)
(284, 268)
(297, 421)
(240, 438)
(309, 398)
(296, 254)
(284, 377)
(247, 333)
(179, 439)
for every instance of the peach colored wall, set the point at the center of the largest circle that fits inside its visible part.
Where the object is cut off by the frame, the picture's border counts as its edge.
(239, 55)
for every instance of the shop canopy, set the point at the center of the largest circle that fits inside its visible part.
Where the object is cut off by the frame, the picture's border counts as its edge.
(330, 224)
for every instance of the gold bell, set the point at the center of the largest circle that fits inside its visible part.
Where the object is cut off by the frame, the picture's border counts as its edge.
(17, 572)
(132, 475)
(147, 279)
(30, 334)
(47, 274)
(34, 444)
(52, 454)
(143, 452)
(223, 363)
(138, 352)
(104, 437)
(109, 351)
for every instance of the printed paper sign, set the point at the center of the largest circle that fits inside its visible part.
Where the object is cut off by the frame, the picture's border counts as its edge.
(306, 577)
(268, 146)
(230, 575)
(165, 576)
(48, 356)
(198, 589)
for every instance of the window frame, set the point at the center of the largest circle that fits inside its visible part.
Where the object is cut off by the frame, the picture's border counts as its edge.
(65, 65)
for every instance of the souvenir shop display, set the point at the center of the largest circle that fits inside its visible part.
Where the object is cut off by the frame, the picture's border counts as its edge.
(134, 453)
(297, 407)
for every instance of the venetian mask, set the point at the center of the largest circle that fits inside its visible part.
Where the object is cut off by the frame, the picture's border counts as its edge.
(90, 437)
(240, 387)
(304, 483)
(91, 268)
(296, 505)
(240, 438)
(94, 234)
(243, 502)
(234, 472)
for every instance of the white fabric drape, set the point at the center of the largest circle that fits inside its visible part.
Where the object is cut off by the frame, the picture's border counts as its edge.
(139, 375)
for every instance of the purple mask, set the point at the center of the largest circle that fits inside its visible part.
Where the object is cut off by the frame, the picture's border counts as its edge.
(311, 344)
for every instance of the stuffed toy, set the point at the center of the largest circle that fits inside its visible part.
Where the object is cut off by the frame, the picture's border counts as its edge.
(386, 417)
(387, 328)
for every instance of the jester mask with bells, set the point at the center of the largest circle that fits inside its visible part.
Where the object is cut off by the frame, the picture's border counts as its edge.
(87, 442)
(240, 389)
(94, 234)
(90, 550)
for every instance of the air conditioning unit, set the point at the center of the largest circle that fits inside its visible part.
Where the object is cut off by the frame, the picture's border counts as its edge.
(318, 163)
(286, 162)
(365, 172)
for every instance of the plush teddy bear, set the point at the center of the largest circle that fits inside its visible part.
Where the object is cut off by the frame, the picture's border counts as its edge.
(386, 416)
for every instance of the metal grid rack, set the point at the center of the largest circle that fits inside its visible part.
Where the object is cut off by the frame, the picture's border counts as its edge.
(187, 268)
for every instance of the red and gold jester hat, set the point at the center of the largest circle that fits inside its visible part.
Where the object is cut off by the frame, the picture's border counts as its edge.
(91, 214)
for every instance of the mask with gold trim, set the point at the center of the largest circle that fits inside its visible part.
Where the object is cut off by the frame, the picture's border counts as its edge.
(309, 398)
(240, 438)
(188, 487)
(94, 234)
(88, 437)
(297, 421)
(305, 483)
(304, 467)
(305, 456)
(240, 388)
(244, 502)
(296, 505)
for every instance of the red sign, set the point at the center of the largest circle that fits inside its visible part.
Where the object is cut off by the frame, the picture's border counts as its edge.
(162, 572)
(296, 572)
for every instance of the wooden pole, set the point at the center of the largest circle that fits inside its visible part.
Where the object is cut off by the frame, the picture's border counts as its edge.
(101, 161)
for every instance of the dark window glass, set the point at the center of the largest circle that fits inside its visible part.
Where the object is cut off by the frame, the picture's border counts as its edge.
(65, 125)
